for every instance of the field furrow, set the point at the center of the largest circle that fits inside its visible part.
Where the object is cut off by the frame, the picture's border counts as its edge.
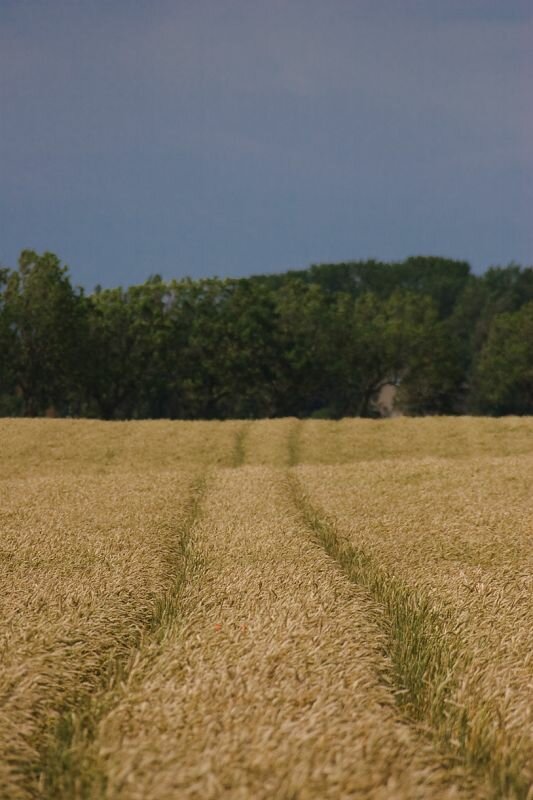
(273, 682)
(86, 568)
(266, 609)
(446, 549)
(267, 442)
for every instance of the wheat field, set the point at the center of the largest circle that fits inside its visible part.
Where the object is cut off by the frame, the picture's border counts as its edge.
(266, 609)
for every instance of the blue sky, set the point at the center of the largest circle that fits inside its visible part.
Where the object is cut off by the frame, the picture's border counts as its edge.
(233, 137)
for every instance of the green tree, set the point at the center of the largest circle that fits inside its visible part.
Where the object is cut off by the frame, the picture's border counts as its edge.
(442, 279)
(127, 373)
(497, 291)
(378, 342)
(504, 375)
(197, 345)
(225, 349)
(435, 381)
(46, 318)
(304, 375)
(8, 400)
(249, 353)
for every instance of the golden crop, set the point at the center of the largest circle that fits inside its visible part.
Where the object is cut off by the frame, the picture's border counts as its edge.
(269, 609)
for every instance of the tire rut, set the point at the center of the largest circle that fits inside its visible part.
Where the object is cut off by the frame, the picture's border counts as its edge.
(426, 654)
(67, 767)
(239, 447)
(293, 443)
(276, 684)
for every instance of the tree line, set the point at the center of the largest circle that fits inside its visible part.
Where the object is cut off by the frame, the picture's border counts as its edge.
(318, 342)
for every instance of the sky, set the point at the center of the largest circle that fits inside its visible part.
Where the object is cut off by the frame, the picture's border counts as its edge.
(233, 137)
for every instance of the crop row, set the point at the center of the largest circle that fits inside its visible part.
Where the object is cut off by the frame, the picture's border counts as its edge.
(83, 572)
(445, 548)
(187, 612)
(272, 681)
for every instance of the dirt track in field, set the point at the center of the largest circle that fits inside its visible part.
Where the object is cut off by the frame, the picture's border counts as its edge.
(269, 609)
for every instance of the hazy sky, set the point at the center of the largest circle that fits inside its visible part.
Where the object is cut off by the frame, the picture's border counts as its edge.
(237, 136)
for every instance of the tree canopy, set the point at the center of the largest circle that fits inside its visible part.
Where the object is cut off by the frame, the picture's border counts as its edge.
(317, 342)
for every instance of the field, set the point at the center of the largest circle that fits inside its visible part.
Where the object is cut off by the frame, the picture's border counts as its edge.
(271, 609)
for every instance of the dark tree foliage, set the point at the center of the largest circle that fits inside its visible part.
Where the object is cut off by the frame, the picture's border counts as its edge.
(44, 325)
(504, 376)
(9, 401)
(442, 279)
(319, 342)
